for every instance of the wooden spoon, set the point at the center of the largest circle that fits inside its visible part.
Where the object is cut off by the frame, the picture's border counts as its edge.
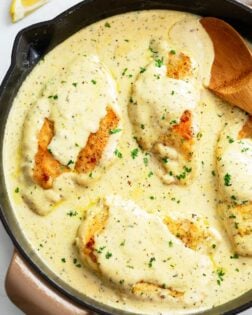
(231, 73)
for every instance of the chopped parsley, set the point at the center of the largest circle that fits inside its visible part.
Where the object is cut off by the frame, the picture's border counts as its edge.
(199, 135)
(74, 84)
(63, 260)
(146, 161)
(70, 162)
(172, 92)
(151, 261)
(93, 81)
(142, 70)
(107, 25)
(150, 174)
(134, 153)
(183, 174)
(152, 197)
(213, 173)
(227, 180)
(55, 97)
(113, 131)
(170, 243)
(118, 154)
(159, 62)
(232, 216)
(213, 246)
(236, 225)
(235, 256)
(230, 140)
(17, 190)
(142, 126)
(108, 255)
(244, 150)
(165, 160)
(122, 243)
(72, 213)
(76, 263)
(172, 52)
(124, 71)
(99, 251)
(220, 275)
(173, 122)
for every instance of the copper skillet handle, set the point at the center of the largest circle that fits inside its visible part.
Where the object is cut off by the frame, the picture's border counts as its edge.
(33, 295)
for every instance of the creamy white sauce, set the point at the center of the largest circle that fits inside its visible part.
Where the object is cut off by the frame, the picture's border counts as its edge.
(235, 159)
(122, 43)
(161, 101)
(135, 246)
(82, 98)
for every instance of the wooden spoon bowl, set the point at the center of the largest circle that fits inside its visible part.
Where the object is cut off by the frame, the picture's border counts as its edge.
(231, 73)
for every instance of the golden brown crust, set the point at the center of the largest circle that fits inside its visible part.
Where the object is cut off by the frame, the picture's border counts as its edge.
(46, 168)
(178, 66)
(181, 135)
(187, 231)
(151, 289)
(91, 154)
(95, 226)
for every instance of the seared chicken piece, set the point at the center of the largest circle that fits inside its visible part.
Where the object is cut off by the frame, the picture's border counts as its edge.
(193, 233)
(234, 163)
(70, 133)
(47, 168)
(136, 252)
(91, 154)
(153, 291)
(162, 111)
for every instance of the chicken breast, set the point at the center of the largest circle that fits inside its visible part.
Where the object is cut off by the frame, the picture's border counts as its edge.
(136, 252)
(70, 133)
(194, 233)
(162, 110)
(234, 164)
(47, 168)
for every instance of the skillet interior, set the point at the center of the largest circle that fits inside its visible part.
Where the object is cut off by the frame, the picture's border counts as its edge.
(35, 41)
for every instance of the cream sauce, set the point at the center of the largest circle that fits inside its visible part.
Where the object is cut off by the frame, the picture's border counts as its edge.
(236, 158)
(135, 246)
(122, 45)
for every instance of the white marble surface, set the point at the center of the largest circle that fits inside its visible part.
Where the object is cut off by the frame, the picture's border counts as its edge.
(8, 32)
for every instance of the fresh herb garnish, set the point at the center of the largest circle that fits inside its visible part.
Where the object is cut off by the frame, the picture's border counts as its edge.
(70, 162)
(220, 275)
(151, 261)
(118, 154)
(108, 255)
(134, 153)
(227, 180)
(142, 70)
(159, 62)
(113, 131)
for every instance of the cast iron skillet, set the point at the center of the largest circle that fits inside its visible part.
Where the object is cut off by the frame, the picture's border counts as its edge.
(32, 44)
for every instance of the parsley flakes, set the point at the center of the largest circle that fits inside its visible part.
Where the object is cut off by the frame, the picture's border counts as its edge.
(134, 153)
(227, 180)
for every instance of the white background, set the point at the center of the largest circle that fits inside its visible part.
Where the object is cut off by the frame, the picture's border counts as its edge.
(8, 32)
